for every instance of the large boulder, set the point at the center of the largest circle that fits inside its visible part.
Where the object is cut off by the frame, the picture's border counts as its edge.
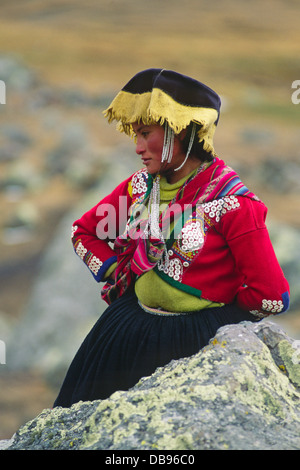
(241, 392)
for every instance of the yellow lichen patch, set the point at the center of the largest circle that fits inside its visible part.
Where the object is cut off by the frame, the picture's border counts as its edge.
(215, 341)
(291, 359)
(176, 441)
(263, 388)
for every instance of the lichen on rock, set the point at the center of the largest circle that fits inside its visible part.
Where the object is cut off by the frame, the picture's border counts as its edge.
(240, 392)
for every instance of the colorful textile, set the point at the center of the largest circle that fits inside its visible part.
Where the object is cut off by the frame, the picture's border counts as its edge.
(139, 255)
(220, 252)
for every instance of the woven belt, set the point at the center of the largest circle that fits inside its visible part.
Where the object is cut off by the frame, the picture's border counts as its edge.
(159, 311)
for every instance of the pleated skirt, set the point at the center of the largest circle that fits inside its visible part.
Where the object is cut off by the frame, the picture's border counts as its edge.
(128, 343)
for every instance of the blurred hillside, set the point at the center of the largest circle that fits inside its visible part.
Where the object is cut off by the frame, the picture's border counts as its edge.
(62, 62)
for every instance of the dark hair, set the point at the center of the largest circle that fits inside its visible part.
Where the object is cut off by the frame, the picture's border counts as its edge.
(197, 147)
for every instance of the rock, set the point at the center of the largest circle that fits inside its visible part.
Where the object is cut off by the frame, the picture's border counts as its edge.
(16, 74)
(5, 443)
(256, 136)
(16, 133)
(73, 140)
(279, 174)
(23, 175)
(6, 326)
(75, 157)
(241, 392)
(21, 226)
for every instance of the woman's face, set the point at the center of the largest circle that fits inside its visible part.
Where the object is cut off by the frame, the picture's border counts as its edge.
(149, 145)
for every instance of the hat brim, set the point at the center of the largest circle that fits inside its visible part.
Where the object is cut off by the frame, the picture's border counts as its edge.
(157, 107)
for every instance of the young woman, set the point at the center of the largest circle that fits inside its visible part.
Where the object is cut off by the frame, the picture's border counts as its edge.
(181, 246)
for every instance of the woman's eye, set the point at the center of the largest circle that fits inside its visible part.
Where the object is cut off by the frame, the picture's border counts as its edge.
(145, 133)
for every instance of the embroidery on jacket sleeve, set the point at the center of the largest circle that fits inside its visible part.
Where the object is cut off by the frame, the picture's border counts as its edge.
(273, 306)
(74, 228)
(268, 307)
(92, 262)
(80, 250)
(95, 264)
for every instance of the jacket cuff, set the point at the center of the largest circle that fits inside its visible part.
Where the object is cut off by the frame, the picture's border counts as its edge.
(100, 275)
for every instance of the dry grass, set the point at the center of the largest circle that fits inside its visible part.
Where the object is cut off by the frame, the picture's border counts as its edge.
(227, 43)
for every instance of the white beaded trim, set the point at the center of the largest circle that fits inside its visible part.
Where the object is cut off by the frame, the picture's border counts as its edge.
(173, 268)
(215, 209)
(139, 185)
(274, 306)
(258, 313)
(80, 250)
(95, 264)
(271, 306)
(74, 228)
(191, 237)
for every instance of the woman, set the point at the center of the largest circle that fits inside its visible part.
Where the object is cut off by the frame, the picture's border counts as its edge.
(192, 254)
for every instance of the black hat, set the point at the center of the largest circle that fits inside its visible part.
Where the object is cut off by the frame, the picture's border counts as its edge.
(159, 95)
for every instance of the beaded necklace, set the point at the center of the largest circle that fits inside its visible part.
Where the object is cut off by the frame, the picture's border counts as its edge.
(153, 227)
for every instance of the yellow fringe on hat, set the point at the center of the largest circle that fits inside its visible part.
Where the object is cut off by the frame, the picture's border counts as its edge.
(156, 107)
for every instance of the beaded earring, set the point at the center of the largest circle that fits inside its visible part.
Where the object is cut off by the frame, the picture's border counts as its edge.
(193, 133)
(168, 147)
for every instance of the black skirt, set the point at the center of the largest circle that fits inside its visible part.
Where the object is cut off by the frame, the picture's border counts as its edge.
(128, 343)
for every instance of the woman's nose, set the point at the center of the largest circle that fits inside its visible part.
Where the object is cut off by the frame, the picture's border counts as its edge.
(139, 148)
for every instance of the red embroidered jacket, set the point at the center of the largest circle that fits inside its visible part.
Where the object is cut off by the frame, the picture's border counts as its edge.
(223, 253)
